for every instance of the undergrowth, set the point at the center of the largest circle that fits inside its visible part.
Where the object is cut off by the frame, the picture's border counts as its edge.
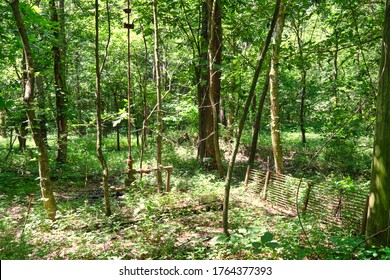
(185, 223)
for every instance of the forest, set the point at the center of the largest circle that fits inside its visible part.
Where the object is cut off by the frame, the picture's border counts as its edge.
(194, 130)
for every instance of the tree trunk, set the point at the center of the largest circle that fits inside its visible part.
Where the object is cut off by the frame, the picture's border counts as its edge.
(143, 83)
(378, 217)
(204, 111)
(243, 119)
(336, 71)
(302, 109)
(99, 126)
(144, 91)
(57, 17)
(256, 127)
(41, 102)
(214, 92)
(232, 109)
(273, 76)
(130, 171)
(43, 159)
(303, 83)
(158, 91)
(118, 126)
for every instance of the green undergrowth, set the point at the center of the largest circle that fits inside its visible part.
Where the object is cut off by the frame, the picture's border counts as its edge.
(185, 223)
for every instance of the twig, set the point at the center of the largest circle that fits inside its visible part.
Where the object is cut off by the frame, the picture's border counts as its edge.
(30, 199)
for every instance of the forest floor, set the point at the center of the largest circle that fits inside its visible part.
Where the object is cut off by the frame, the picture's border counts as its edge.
(185, 223)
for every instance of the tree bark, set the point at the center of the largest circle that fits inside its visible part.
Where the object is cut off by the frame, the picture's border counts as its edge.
(214, 92)
(41, 114)
(302, 109)
(158, 91)
(59, 46)
(130, 171)
(243, 119)
(43, 158)
(378, 217)
(273, 76)
(204, 107)
(99, 122)
(118, 126)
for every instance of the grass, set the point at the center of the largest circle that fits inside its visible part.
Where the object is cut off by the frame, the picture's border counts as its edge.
(185, 223)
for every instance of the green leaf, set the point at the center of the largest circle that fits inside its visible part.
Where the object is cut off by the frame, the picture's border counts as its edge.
(235, 250)
(234, 238)
(256, 245)
(267, 237)
(272, 245)
(256, 251)
(255, 229)
(150, 209)
(222, 238)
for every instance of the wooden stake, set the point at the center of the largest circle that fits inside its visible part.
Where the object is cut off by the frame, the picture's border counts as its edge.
(267, 176)
(168, 169)
(364, 220)
(248, 170)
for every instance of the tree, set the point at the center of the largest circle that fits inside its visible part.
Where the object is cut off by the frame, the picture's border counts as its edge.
(378, 219)
(130, 171)
(214, 54)
(99, 129)
(43, 158)
(209, 85)
(59, 50)
(158, 92)
(274, 93)
(249, 99)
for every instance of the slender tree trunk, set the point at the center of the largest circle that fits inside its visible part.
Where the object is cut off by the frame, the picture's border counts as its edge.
(336, 71)
(243, 119)
(118, 126)
(144, 95)
(158, 90)
(59, 46)
(143, 78)
(99, 122)
(215, 59)
(130, 171)
(378, 218)
(231, 115)
(21, 127)
(274, 94)
(81, 128)
(303, 83)
(204, 110)
(41, 114)
(256, 127)
(43, 158)
(302, 109)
